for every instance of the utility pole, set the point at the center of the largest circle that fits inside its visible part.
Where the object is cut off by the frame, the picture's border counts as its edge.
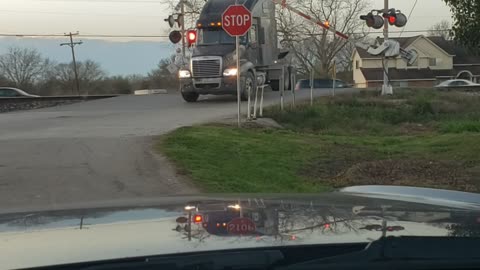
(182, 10)
(386, 88)
(72, 45)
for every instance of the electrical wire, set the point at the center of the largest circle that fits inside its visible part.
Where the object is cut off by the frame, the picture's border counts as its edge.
(79, 14)
(92, 35)
(409, 15)
(391, 32)
(106, 1)
(80, 35)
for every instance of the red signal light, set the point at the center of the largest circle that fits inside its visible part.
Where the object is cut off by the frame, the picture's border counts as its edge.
(191, 37)
(392, 20)
(197, 218)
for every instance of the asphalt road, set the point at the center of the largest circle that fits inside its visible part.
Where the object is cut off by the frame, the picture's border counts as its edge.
(99, 152)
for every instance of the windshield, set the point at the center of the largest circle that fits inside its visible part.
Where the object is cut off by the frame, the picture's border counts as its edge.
(126, 106)
(216, 36)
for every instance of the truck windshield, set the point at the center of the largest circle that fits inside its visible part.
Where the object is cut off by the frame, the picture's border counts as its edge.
(215, 36)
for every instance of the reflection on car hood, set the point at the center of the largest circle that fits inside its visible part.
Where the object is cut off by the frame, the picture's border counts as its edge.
(356, 214)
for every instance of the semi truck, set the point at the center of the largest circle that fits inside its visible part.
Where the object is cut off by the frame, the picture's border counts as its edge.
(212, 68)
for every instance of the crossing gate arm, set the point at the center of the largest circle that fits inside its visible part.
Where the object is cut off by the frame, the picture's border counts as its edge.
(410, 56)
(284, 4)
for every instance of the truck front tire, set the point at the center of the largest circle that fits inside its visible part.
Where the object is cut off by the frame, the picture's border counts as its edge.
(190, 97)
(249, 85)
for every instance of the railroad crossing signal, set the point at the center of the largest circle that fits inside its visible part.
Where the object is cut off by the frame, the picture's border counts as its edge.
(377, 21)
(171, 20)
(175, 36)
(237, 20)
(395, 17)
(191, 37)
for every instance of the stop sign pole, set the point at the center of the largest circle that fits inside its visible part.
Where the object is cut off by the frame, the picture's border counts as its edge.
(236, 21)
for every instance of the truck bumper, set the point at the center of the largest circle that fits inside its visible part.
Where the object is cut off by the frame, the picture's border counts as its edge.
(210, 86)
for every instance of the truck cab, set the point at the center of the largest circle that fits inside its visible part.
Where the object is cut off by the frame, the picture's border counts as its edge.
(212, 68)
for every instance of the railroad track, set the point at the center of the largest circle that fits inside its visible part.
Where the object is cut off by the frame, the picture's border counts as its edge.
(9, 104)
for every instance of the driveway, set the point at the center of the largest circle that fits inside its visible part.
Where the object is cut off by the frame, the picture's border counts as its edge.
(99, 152)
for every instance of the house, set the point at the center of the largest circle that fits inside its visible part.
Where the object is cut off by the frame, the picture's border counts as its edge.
(438, 60)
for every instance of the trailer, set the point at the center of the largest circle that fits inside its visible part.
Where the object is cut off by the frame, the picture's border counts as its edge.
(212, 68)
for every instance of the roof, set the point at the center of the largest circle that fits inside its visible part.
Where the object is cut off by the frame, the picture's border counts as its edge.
(376, 74)
(462, 56)
(444, 44)
(475, 70)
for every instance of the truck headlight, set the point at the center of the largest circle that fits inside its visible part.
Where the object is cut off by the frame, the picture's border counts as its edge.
(230, 72)
(182, 74)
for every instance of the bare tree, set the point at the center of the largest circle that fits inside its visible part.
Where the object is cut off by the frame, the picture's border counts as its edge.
(441, 29)
(89, 73)
(160, 77)
(192, 10)
(24, 66)
(313, 46)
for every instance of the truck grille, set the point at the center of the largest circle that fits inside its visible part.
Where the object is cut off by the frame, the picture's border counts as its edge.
(206, 68)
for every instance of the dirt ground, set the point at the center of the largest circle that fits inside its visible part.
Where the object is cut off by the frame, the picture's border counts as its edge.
(421, 173)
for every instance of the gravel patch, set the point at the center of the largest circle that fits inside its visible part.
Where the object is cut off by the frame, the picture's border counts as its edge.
(30, 105)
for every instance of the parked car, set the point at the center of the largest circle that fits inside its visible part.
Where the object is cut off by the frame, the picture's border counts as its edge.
(8, 92)
(320, 83)
(457, 83)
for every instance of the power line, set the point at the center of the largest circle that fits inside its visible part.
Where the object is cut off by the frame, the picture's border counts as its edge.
(392, 32)
(23, 35)
(86, 36)
(77, 13)
(106, 1)
(125, 36)
(409, 15)
(166, 36)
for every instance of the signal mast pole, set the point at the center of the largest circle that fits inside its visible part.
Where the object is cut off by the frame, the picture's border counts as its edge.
(182, 7)
(386, 88)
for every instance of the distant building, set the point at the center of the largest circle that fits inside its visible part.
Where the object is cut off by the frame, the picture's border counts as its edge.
(438, 60)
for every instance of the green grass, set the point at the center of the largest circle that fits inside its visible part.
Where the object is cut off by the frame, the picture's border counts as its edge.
(460, 126)
(364, 114)
(422, 138)
(224, 159)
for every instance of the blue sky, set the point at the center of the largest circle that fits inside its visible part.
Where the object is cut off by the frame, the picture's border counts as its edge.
(117, 58)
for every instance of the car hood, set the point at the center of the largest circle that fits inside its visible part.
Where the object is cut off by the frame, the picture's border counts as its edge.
(355, 214)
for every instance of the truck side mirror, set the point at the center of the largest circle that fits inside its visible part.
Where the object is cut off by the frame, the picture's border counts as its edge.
(282, 55)
(261, 36)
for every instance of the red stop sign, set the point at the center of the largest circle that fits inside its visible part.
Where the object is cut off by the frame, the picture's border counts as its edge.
(237, 20)
(241, 226)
